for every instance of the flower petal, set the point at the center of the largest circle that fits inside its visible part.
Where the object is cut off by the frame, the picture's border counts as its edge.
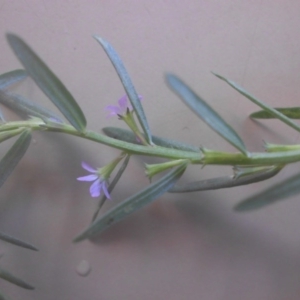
(123, 103)
(88, 178)
(114, 110)
(95, 189)
(88, 167)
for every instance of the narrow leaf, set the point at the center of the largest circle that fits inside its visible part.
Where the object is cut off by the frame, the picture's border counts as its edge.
(48, 82)
(14, 155)
(26, 108)
(5, 135)
(205, 112)
(4, 297)
(282, 190)
(277, 114)
(128, 136)
(242, 171)
(1, 117)
(15, 280)
(17, 242)
(290, 112)
(128, 86)
(12, 77)
(135, 202)
(222, 182)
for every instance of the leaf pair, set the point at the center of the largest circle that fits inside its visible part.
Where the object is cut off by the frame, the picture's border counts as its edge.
(48, 82)
(281, 114)
(58, 93)
(286, 188)
(7, 275)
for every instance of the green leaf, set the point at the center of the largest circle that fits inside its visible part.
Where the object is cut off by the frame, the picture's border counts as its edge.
(128, 86)
(48, 82)
(5, 135)
(1, 117)
(26, 108)
(4, 297)
(290, 112)
(12, 77)
(223, 182)
(242, 171)
(135, 202)
(128, 136)
(17, 242)
(15, 280)
(205, 112)
(14, 155)
(282, 190)
(112, 186)
(277, 114)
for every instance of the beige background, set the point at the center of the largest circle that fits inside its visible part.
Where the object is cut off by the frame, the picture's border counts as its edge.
(189, 246)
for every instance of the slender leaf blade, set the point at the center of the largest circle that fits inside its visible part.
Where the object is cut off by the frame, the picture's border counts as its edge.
(290, 112)
(12, 77)
(3, 296)
(205, 112)
(133, 203)
(26, 108)
(48, 82)
(282, 190)
(128, 85)
(15, 280)
(1, 117)
(128, 136)
(15, 241)
(276, 113)
(14, 155)
(222, 182)
(5, 135)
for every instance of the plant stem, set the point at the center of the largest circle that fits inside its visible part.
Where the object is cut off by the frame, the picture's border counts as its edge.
(206, 157)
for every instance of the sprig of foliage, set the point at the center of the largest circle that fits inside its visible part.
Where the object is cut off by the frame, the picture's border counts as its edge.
(248, 167)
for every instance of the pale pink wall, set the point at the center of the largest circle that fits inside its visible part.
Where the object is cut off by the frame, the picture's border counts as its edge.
(183, 247)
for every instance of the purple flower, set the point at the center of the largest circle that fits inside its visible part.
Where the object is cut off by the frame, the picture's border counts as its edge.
(98, 184)
(121, 109)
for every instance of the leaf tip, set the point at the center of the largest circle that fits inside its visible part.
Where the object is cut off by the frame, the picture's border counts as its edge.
(78, 238)
(242, 207)
(217, 75)
(249, 205)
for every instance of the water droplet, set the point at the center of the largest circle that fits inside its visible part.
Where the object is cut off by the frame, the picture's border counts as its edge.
(83, 268)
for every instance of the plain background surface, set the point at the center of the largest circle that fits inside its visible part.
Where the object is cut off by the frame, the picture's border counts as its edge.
(189, 246)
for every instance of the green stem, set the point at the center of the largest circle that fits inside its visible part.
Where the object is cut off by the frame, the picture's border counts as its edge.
(212, 157)
(206, 157)
(129, 148)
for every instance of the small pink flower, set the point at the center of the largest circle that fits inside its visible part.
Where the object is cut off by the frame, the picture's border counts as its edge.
(98, 184)
(121, 109)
